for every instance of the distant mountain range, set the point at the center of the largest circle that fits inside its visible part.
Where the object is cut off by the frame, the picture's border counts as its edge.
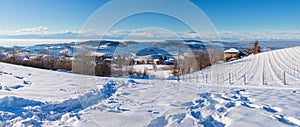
(66, 35)
(223, 37)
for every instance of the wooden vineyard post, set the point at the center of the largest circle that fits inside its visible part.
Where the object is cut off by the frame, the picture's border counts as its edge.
(218, 78)
(178, 66)
(197, 78)
(245, 81)
(182, 75)
(284, 79)
(298, 70)
(263, 76)
(203, 76)
(229, 78)
(210, 77)
(206, 78)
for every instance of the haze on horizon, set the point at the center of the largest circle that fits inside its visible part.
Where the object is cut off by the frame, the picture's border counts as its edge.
(233, 19)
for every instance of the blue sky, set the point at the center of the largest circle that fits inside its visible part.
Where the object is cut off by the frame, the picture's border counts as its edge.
(252, 15)
(58, 15)
(226, 15)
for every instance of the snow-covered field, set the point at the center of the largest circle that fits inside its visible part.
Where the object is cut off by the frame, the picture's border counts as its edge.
(258, 90)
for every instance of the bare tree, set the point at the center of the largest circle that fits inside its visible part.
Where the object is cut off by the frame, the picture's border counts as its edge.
(84, 62)
(256, 47)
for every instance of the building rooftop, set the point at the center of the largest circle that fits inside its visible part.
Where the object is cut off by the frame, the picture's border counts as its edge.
(231, 50)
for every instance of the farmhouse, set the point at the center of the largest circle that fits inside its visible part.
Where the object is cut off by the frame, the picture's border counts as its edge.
(231, 53)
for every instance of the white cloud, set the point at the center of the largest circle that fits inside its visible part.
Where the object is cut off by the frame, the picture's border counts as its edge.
(162, 34)
(265, 35)
(223, 35)
(144, 34)
(34, 30)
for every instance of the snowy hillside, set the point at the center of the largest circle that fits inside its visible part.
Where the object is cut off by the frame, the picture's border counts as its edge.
(258, 90)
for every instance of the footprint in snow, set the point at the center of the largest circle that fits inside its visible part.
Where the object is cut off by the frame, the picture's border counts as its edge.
(243, 98)
(18, 77)
(16, 86)
(225, 98)
(63, 90)
(6, 88)
(239, 91)
(221, 109)
(291, 121)
(230, 105)
(8, 73)
(154, 112)
(26, 82)
(287, 120)
(131, 81)
(269, 109)
(249, 105)
(294, 91)
(73, 84)
(196, 114)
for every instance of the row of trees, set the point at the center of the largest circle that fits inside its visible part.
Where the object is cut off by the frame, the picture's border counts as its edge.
(40, 62)
(197, 61)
